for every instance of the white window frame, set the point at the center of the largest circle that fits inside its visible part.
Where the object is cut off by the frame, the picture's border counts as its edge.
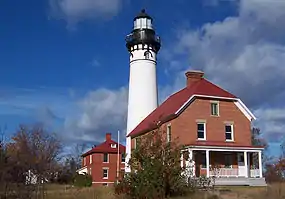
(90, 159)
(113, 146)
(168, 133)
(107, 157)
(204, 123)
(218, 108)
(105, 169)
(232, 133)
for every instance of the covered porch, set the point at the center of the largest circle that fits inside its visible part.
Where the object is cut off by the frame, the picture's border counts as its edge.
(223, 162)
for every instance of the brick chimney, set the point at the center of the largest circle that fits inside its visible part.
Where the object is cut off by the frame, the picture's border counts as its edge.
(108, 136)
(193, 76)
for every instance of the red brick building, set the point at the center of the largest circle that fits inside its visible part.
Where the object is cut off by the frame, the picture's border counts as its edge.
(104, 163)
(215, 127)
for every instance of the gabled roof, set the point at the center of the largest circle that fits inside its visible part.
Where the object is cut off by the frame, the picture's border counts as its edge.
(105, 147)
(176, 103)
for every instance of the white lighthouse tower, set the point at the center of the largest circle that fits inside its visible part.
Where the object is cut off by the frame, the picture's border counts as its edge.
(143, 45)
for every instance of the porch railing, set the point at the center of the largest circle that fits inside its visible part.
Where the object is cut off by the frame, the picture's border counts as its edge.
(224, 172)
(254, 173)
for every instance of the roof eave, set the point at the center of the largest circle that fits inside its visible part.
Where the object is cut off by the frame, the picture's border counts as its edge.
(154, 126)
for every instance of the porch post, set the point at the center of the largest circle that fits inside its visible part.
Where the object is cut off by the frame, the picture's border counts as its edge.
(181, 160)
(208, 163)
(249, 164)
(245, 164)
(260, 163)
(191, 163)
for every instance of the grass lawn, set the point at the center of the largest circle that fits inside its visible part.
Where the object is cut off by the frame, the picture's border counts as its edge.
(274, 191)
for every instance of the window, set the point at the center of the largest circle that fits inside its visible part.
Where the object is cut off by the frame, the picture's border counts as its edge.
(123, 158)
(105, 157)
(228, 161)
(215, 108)
(168, 133)
(90, 159)
(105, 173)
(201, 131)
(229, 132)
(113, 146)
(147, 54)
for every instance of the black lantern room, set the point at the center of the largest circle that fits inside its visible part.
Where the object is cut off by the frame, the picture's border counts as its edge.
(143, 33)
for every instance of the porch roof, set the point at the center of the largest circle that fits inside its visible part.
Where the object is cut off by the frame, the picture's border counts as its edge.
(222, 145)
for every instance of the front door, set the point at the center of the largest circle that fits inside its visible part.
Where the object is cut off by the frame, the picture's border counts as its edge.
(241, 165)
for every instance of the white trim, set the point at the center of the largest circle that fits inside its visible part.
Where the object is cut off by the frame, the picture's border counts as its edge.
(90, 159)
(232, 132)
(243, 110)
(208, 163)
(205, 137)
(168, 133)
(260, 163)
(107, 173)
(239, 104)
(221, 148)
(78, 170)
(178, 111)
(245, 163)
(218, 108)
(247, 110)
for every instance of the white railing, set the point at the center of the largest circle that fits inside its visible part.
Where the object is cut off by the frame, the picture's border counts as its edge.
(224, 172)
(254, 173)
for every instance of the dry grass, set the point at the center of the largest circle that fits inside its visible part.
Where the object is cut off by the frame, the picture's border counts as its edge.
(274, 191)
(67, 192)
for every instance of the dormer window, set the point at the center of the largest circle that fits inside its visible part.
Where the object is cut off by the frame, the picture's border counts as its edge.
(113, 146)
(214, 108)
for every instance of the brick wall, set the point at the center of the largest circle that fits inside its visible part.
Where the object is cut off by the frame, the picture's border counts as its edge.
(185, 126)
(97, 165)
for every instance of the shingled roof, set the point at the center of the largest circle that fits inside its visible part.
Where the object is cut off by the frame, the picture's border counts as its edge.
(196, 85)
(106, 147)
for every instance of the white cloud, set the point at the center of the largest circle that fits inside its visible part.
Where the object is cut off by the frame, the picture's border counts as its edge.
(74, 11)
(244, 54)
(99, 112)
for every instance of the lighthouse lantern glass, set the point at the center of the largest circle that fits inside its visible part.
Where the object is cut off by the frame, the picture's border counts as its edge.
(143, 23)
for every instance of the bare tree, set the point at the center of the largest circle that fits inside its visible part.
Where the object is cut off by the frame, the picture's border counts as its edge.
(35, 150)
(76, 154)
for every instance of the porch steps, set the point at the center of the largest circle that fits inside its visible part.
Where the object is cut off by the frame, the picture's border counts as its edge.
(232, 181)
(257, 182)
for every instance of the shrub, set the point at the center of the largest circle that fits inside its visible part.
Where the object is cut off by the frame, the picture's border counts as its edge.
(155, 169)
(82, 180)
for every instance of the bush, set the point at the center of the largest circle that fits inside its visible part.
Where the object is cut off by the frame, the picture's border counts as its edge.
(82, 180)
(155, 170)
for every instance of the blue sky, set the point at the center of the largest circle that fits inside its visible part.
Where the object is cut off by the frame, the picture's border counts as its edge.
(64, 62)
